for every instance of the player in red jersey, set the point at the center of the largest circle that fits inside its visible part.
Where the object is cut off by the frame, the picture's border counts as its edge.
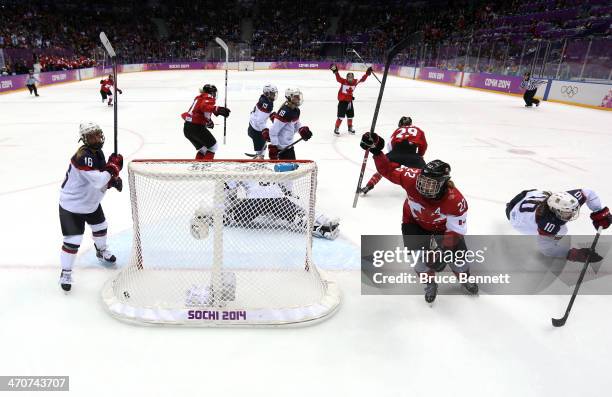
(406, 147)
(198, 120)
(106, 89)
(345, 97)
(434, 214)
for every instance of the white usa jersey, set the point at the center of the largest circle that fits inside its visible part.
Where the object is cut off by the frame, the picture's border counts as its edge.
(286, 124)
(86, 182)
(261, 113)
(527, 217)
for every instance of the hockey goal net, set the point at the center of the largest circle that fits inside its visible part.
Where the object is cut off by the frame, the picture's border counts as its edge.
(248, 66)
(221, 243)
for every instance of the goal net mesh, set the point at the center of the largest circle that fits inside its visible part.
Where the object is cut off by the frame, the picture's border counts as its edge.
(221, 243)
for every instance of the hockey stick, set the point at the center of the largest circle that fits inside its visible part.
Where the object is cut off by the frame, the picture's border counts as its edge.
(224, 46)
(390, 55)
(111, 52)
(362, 61)
(290, 146)
(560, 322)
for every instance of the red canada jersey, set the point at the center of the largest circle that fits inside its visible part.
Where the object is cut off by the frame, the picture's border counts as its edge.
(345, 93)
(106, 85)
(447, 215)
(201, 109)
(411, 134)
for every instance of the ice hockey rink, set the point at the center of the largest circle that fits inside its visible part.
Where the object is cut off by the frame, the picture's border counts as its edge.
(374, 345)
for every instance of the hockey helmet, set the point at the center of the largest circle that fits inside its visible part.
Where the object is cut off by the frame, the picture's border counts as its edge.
(87, 130)
(210, 90)
(565, 206)
(270, 91)
(433, 180)
(294, 96)
(404, 121)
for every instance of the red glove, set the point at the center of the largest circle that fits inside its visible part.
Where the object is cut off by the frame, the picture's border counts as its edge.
(114, 165)
(601, 218)
(265, 134)
(305, 133)
(116, 182)
(273, 152)
(581, 255)
(272, 116)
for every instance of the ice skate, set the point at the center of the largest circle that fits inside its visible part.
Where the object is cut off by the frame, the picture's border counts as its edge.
(66, 280)
(104, 255)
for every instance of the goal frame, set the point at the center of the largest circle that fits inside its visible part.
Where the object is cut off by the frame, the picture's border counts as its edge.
(290, 316)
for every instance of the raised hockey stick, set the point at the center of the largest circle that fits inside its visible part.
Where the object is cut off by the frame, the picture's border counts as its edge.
(111, 52)
(560, 322)
(224, 46)
(390, 55)
(362, 61)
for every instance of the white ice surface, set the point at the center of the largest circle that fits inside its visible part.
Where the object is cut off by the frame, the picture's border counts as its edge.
(374, 345)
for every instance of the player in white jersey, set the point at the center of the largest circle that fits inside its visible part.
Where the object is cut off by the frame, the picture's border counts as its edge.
(259, 120)
(88, 177)
(545, 214)
(253, 204)
(286, 125)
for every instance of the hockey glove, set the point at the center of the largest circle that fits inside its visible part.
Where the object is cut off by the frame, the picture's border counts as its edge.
(272, 116)
(116, 158)
(305, 133)
(119, 91)
(273, 152)
(369, 71)
(581, 255)
(334, 68)
(221, 111)
(117, 183)
(265, 134)
(601, 218)
(114, 165)
(372, 142)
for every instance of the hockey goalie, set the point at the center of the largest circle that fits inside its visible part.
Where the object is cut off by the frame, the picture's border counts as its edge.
(263, 205)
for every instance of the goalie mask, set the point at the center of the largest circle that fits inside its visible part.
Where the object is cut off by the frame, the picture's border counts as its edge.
(433, 180)
(91, 134)
(270, 91)
(294, 96)
(565, 206)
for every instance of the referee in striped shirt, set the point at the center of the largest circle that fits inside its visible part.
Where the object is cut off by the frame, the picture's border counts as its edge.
(531, 86)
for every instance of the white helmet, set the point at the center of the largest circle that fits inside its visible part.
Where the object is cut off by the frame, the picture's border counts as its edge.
(87, 128)
(270, 89)
(291, 93)
(565, 206)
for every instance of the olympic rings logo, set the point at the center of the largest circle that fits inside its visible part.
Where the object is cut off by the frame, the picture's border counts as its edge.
(569, 91)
